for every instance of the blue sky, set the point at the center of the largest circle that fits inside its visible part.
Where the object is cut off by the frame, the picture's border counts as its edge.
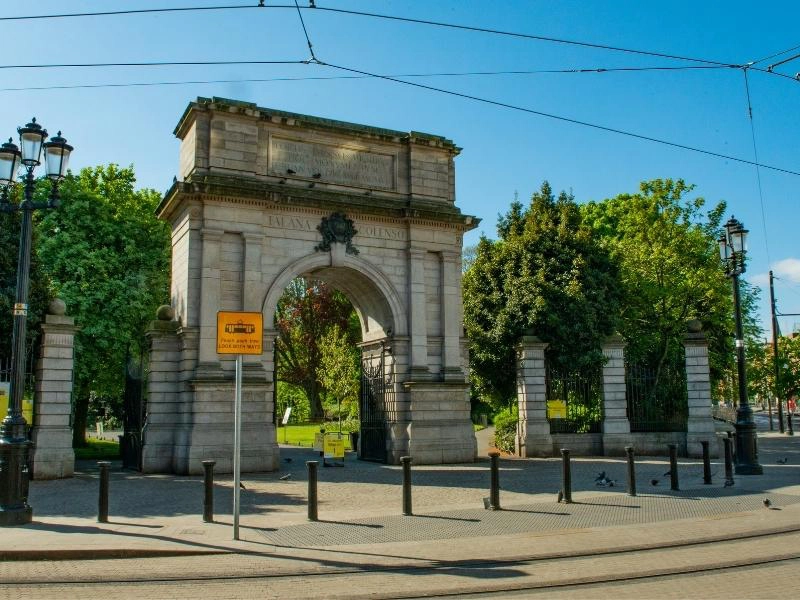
(505, 151)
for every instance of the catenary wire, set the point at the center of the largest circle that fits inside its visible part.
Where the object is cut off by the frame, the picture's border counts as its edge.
(766, 58)
(155, 64)
(600, 70)
(305, 31)
(385, 17)
(758, 169)
(562, 118)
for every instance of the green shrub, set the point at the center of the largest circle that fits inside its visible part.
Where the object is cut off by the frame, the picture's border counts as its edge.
(505, 428)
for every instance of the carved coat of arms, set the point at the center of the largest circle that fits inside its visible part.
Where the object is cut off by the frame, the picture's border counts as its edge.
(336, 228)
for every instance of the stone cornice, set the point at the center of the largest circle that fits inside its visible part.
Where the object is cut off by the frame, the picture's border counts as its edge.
(256, 192)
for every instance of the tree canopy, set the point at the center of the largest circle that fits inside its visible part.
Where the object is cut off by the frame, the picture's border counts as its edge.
(106, 255)
(546, 273)
(665, 244)
(306, 312)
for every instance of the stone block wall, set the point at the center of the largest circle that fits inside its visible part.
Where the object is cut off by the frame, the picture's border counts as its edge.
(52, 455)
(533, 431)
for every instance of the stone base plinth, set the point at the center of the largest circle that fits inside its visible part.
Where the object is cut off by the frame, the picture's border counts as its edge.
(441, 429)
(52, 455)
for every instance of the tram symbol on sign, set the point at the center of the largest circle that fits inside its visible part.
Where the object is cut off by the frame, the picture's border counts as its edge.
(240, 327)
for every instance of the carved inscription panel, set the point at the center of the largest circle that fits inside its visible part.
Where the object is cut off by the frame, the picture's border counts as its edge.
(369, 230)
(336, 164)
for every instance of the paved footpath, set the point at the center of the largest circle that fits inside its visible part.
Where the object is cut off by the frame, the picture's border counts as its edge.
(155, 521)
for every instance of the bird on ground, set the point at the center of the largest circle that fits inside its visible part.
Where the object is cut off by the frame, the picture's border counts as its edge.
(600, 476)
(767, 502)
(782, 461)
(654, 482)
(729, 483)
(560, 496)
(667, 474)
(241, 485)
(317, 175)
(286, 477)
(288, 459)
(291, 171)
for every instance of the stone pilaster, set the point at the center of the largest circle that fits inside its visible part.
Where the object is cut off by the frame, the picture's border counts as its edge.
(452, 309)
(418, 315)
(533, 431)
(700, 424)
(616, 426)
(52, 454)
(209, 304)
(163, 396)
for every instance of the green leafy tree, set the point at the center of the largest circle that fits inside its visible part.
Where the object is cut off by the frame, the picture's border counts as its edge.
(107, 256)
(665, 245)
(306, 311)
(340, 373)
(545, 272)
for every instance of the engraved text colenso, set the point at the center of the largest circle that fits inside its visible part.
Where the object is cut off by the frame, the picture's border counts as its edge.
(369, 230)
(335, 164)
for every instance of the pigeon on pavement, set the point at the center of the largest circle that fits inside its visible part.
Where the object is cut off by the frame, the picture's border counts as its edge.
(767, 503)
(286, 477)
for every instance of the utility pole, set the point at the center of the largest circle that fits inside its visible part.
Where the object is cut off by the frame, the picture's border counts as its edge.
(775, 351)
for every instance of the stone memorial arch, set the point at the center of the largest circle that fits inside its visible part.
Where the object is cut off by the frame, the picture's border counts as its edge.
(264, 196)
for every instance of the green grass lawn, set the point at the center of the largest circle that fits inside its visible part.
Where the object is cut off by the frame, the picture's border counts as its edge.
(98, 450)
(303, 435)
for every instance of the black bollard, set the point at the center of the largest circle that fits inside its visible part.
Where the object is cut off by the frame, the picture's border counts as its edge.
(631, 471)
(208, 496)
(494, 481)
(312, 489)
(566, 476)
(728, 462)
(789, 421)
(673, 467)
(733, 446)
(102, 502)
(406, 461)
(706, 463)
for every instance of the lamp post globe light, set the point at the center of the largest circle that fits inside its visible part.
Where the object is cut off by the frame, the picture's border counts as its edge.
(14, 444)
(732, 250)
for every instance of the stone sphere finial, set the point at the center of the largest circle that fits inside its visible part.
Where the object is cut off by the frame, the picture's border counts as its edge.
(165, 313)
(57, 307)
(694, 326)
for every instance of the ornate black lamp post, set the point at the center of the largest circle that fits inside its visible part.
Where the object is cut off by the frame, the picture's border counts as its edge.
(14, 508)
(732, 249)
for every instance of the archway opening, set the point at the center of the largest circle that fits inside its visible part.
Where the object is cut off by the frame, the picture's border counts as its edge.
(333, 363)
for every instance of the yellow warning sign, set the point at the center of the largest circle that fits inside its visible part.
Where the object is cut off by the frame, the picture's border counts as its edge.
(556, 409)
(334, 447)
(239, 332)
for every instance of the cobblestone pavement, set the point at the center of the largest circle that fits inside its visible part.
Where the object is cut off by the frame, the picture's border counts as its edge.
(363, 546)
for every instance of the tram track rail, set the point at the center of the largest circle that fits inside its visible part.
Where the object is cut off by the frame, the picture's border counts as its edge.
(478, 577)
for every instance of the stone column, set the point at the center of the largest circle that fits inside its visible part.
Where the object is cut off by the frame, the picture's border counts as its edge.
(208, 363)
(533, 431)
(418, 315)
(163, 399)
(452, 309)
(616, 426)
(700, 424)
(52, 454)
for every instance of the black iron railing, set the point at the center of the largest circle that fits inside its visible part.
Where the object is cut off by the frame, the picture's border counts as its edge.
(575, 400)
(657, 399)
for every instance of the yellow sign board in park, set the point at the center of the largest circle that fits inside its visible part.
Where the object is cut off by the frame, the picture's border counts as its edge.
(333, 447)
(239, 332)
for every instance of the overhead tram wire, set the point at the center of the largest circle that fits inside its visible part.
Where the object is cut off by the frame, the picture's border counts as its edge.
(305, 32)
(574, 71)
(758, 169)
(156, 64)
(562, 118)
(476, 29)
(771, 56)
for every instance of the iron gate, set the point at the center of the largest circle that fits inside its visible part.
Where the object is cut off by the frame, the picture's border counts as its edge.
(376, 391)
(133, 414)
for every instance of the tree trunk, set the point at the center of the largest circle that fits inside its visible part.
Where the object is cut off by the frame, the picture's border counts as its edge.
(317, 413)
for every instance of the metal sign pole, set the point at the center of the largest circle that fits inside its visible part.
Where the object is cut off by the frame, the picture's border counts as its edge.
(237, 446)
